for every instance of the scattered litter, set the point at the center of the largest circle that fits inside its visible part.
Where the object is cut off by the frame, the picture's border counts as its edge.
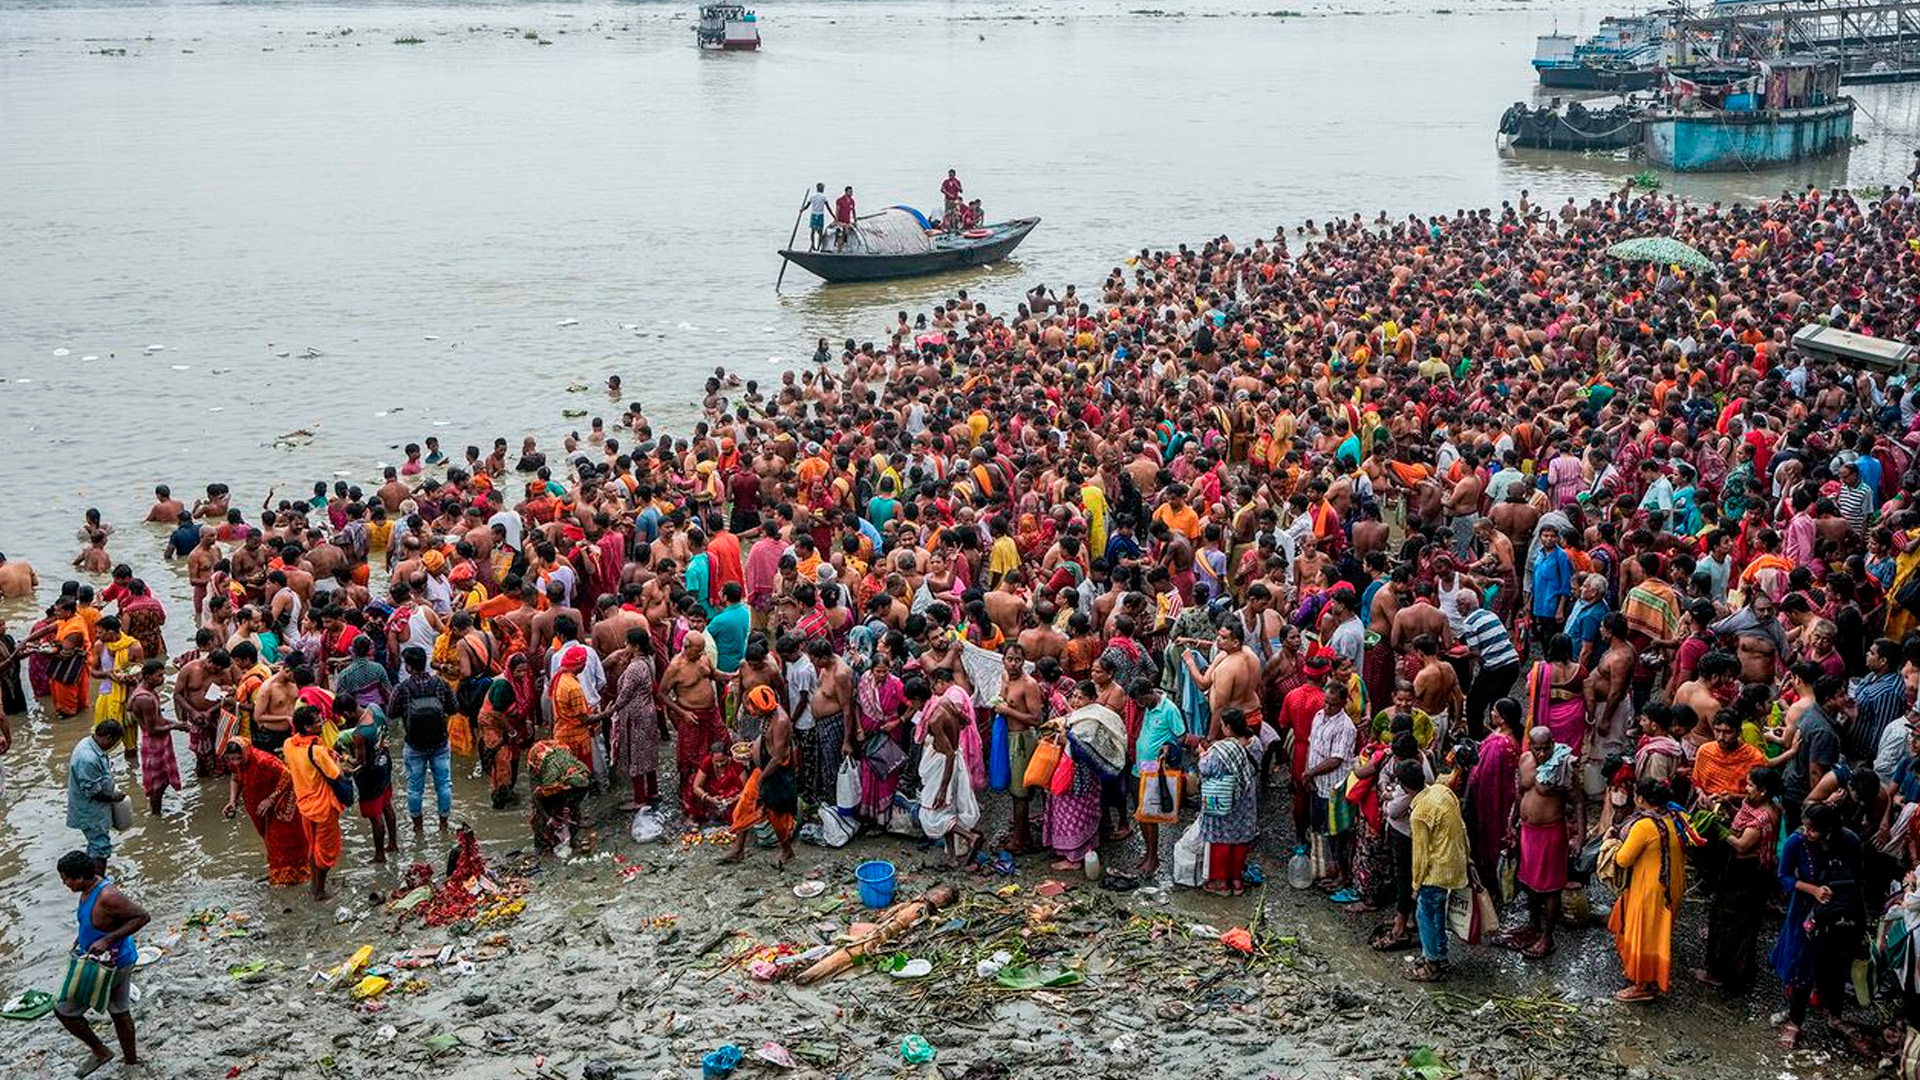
(915, 968)
(27, 1005)
(775, 1054)
(1238, 939)
(573, 414)
(1051, 889)
(149, 955)
(1427, 1064)
(807, 890)
(1203, 930)
(1018, 977)
(991, 966)
(915, 1050)
(441, 1043)
(371, 986)
(249, 969)
(430, 337)
(720, 1063)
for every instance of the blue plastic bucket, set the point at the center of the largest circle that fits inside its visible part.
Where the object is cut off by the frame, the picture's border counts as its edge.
(876, 882)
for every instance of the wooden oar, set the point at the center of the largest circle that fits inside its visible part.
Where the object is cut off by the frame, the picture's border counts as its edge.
(791, 237)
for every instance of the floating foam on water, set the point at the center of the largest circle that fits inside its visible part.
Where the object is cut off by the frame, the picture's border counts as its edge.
(217, 408)
(90, 358)
(431, 337)
(687, 326)
(568, 322)
(156, 348)
(22, 380)
(178, 367)
(342, 472)
(378, 415)
(441, 423)
(61, 352)
(773, 359)
(629, 326)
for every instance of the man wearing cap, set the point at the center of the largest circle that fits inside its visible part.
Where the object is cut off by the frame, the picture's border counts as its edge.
(771, 794)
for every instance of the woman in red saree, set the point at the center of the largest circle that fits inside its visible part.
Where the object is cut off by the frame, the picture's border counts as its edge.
(259, 783)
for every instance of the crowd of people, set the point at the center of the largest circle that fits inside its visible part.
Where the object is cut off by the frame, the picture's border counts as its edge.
(1507, 569)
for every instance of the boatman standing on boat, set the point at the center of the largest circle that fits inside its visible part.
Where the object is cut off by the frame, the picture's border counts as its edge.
(950, 190)
(843, 214)
(816, 211)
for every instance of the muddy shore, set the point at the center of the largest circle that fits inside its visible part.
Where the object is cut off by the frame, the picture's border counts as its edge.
(638, 960)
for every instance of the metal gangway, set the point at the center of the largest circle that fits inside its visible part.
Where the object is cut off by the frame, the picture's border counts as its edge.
(1875, 40)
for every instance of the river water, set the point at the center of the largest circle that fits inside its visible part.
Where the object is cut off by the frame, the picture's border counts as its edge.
(263, 217)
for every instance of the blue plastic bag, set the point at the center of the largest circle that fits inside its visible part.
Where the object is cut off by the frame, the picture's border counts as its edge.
(999, 765)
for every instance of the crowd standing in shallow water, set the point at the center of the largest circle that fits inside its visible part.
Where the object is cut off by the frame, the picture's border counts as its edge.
(1510, 568)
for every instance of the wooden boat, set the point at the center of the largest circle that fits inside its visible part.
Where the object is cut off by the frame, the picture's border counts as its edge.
(885, 246)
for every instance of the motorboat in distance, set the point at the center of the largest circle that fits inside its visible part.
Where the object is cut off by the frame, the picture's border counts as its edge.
(897, 242)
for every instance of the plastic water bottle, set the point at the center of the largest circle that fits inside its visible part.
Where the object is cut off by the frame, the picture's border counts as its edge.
(1300, 868)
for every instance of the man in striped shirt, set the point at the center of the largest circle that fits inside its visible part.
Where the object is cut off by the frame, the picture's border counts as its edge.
(1487, 638)
(1856, 498)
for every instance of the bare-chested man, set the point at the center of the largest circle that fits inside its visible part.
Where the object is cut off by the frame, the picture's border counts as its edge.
(273, 707)
(17, 579)
(1023, 704)
(196, 704)
(1231, 681)
(1715, 683)
(1609, 703)
(1551, 830)
(687, 693)
(1422, 618)
(1760, 641)
(1436, 686)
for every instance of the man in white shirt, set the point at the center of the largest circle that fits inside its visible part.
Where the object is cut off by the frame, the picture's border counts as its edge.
(816, 207)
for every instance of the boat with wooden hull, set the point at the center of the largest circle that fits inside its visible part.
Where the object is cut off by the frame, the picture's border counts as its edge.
(862, 261)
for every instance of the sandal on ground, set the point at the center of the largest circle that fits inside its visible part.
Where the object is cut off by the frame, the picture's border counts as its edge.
(1634, 994)
(1389, 943)
(1347, 895)
(1789, 1036)
(1425, 972)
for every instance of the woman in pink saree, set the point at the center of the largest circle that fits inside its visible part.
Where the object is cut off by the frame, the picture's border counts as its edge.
(1553, 693)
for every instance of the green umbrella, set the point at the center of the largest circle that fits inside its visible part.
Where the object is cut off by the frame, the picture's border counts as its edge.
(1661, 249)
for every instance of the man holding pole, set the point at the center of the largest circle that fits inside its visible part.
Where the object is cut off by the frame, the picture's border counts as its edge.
(816, 211)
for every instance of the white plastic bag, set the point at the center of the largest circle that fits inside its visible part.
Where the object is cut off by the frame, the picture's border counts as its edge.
(1190, 858)
(646, 827)
(847, 786)
(835, 830)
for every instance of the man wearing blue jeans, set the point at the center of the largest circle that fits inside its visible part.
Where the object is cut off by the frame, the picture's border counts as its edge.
(422, 704)
(1439, 862)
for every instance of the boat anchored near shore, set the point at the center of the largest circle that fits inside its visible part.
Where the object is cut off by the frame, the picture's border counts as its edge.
(1703, 119)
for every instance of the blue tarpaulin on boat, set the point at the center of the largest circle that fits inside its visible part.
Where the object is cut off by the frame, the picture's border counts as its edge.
(922, 218)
